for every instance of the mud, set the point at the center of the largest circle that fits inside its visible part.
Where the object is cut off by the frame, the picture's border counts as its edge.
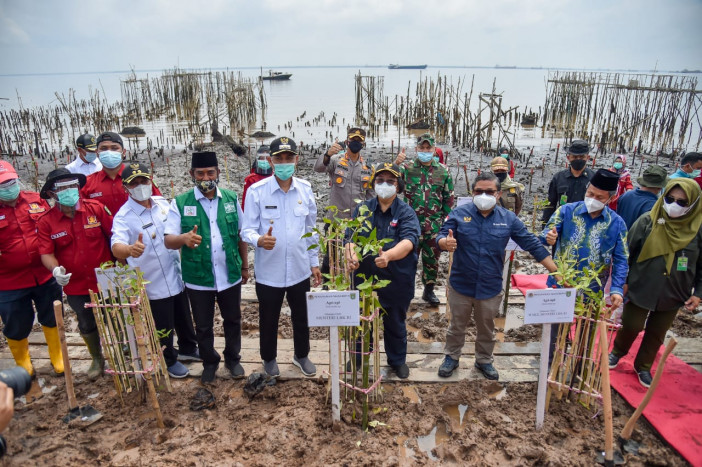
(687, 325)
(290, 424)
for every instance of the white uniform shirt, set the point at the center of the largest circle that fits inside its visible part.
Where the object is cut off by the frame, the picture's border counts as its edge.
(291, 215)
(219, 259)
(161, 266)
(85, 168)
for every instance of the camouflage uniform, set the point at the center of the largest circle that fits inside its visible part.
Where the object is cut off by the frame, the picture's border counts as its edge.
(512, 195)
(429, 191)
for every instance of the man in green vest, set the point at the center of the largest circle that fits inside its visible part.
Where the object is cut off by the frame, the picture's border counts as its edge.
(206, 222)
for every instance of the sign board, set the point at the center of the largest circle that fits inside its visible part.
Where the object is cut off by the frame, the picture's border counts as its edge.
(549, 306)
(333, 308)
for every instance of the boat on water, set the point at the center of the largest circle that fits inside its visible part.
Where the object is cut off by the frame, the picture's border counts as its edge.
(276, 76)
(406, 67)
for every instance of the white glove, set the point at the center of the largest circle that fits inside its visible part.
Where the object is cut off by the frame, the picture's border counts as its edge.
(61, 277)
(617, 315)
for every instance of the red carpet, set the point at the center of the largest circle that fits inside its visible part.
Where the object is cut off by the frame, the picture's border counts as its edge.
(675, 409)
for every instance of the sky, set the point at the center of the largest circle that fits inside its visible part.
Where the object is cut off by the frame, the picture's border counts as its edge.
(49, 36)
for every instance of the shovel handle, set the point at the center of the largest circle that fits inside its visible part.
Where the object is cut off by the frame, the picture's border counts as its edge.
(629, 427)
(58, 313)
(606, 395)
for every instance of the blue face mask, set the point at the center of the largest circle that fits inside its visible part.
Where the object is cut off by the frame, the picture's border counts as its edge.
(695, 173)
(111, 159)
(425, 157)
(618, 165)
(284, 171)
(10, 193)
(263, 165)
(90, 156)
(68, 197)
(436, 158)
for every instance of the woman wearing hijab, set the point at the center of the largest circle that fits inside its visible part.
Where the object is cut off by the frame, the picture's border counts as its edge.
(625, 183)
(665, 265)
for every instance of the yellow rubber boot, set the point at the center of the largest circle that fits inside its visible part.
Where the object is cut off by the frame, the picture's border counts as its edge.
(54, 344)
(20, 350)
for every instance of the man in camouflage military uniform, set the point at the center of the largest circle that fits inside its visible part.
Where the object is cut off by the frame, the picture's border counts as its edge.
(512, 192)
(429, 191)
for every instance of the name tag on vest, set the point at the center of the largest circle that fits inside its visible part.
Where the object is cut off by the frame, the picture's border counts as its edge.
(229, 207)
(59, 235)
(190, 211)
(95, 195)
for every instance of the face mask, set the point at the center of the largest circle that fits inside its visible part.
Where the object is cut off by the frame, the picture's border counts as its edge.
(425, 157)
(506, 156)
(263, 164)
(385, 190)
(10, 191)
(501, 176)
(111, 159)
(284, 171)
(140, 192)
(436, 158)
(206, 186)
(90, 156)
(355, 146)
(68, 197)
(484, 202)
(593, 205)
(578, 164)
(674, 210)
(695, 173)
(618, 165)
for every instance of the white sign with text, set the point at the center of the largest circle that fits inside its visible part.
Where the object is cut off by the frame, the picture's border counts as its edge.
(549, 306)
(333, 308)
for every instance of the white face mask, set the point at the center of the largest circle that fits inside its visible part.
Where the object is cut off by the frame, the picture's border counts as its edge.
(674, 210)
(484, 202)
(141, 192)
(593, 205)
(385, 190)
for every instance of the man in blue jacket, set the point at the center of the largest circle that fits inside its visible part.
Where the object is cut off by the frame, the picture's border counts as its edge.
(635, 203)
(478, 233)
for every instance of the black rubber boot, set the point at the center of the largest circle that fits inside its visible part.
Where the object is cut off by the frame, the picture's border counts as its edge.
(429, 296)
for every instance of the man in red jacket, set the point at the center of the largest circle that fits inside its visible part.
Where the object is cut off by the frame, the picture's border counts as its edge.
(23, 279)
(74, 239)
(106, 185)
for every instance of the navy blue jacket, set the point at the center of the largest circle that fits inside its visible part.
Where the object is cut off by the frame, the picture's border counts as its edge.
(479, 259)
(398, 223)
(633, 204)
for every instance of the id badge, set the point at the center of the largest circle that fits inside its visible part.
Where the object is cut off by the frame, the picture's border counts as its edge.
(682, 263)
(564, 199)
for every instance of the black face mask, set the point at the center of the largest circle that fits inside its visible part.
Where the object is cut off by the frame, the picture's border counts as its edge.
(501, 176)
(578, 164)
(355, 146)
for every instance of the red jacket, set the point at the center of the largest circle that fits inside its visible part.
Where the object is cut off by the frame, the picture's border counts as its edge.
(248, 181)
(100, 187)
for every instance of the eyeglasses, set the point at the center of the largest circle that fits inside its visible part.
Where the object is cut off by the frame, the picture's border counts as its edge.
(681, 202)
(487, 192)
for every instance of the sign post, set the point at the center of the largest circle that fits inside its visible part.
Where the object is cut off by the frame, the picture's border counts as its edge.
(547, 307)
(333, 309)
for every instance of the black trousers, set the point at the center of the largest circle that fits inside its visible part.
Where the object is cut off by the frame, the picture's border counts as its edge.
(169, 314)
(202, 303)
(17, 313)
(86, 318)
(270, 300)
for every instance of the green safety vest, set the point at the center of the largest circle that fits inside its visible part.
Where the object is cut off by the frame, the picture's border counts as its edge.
(197, 262)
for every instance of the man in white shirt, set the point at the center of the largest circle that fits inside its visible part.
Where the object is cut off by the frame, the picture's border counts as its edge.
(137, 236)
(279, 211)
(87, 162)
(205, 221)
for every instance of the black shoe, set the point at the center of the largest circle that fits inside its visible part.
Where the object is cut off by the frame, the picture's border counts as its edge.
(645, 378)
(236, 371)
(208, 374)
(429, 296)
(401, 371)
(613, 361)
(488, 371)
(447, 366)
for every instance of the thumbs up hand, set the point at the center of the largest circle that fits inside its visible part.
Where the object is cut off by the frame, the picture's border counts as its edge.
(192, 239)
(335, 148)
(267, 241)
(401, 157)
(552, 236)
(382, 260)
(451, 243)
(137, 249)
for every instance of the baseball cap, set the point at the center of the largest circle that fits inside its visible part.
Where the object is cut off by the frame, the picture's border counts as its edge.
(385, 167)
(499, 163)
(356, 132)
(7, 172)
(425, 137)
(134, 169)
(109, 136)
(282, 145)
(86, 141)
